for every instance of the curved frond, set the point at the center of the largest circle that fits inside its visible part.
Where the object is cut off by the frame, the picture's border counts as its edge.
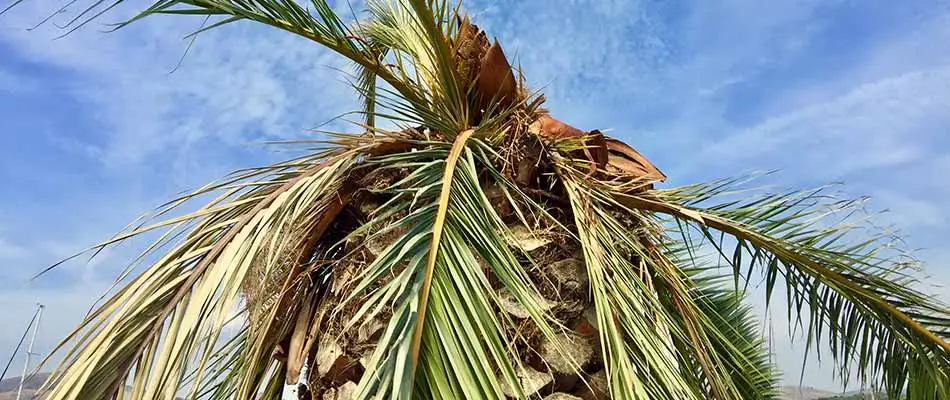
(753, 372)
(172, 309)
(859, 297)
(635, 331)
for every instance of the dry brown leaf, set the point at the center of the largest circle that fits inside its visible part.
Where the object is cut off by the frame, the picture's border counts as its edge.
(496, 82)
(627, 160)
(554, 130)
(300, 341)
(470, 45)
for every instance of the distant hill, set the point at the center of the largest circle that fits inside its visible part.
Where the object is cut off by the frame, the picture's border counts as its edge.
(804, 393)
(810, 393)
(8, 387)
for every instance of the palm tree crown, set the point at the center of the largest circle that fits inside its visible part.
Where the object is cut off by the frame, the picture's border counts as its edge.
(484, 249)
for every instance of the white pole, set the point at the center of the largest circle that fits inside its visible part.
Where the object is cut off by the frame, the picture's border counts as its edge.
(292, 392)
(29, 351)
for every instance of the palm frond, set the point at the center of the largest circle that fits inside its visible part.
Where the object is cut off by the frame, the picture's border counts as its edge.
(417, 39)
(400, 26)
(859, 297)
(187, 295)
(366, 86)
(635, 331)
(452, 321)
(754, 374)
(152, 329)
(715, 356)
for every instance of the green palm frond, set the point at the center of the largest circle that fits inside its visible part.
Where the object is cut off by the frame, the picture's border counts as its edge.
(635, 333)
(683, 312)
(366, 85)
(859, 296)
(752, 370)
(418, 37)
(420, 81)
(449, 226)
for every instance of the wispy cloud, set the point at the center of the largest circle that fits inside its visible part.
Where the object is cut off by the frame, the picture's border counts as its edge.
(269, 85)
(10, 251)
(870, 122)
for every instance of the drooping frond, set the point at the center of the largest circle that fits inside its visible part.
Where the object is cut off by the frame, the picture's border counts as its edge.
(736, 328)
(860, 297)
(635, 332)
(189, 293)
(176, 309)
(723, 362)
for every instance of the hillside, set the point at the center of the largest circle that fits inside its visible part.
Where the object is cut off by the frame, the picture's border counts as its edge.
(810, 393)
(804, 393)
(8, 387)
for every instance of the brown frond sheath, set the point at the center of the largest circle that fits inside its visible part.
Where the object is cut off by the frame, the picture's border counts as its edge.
(552, 130)
(470, 44)
(496, 86)
(604, 153)
(629, 161)
(483, 71)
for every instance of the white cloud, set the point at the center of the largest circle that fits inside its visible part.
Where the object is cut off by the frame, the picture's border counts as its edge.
(878, 125)
(240, 84)
(11, 251)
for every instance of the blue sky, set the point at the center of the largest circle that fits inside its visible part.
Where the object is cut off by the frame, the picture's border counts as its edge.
(96, 130)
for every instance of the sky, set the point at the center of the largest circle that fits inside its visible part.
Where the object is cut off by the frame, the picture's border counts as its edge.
(98, 128)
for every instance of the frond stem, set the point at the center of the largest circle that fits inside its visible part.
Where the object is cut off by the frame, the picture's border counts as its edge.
(444, 196)
(715, 222)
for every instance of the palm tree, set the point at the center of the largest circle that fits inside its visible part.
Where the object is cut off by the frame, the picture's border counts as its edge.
(484, 249)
